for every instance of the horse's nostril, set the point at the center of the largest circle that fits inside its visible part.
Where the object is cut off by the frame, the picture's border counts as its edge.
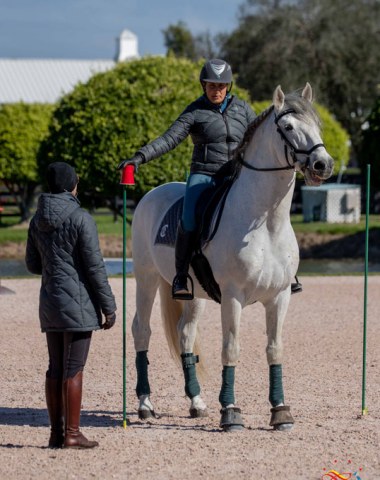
(319, 165)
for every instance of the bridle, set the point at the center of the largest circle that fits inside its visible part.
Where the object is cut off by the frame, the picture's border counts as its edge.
(288, 147)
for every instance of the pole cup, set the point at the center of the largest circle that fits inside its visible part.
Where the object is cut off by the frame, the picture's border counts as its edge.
(127, 175)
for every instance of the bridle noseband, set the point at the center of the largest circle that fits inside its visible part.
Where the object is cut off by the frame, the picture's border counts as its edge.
(287, 146)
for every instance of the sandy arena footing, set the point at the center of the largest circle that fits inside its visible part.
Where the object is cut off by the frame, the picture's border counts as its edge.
(323, 335)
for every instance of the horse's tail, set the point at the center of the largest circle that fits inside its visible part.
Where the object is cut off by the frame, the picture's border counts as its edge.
(171, 311)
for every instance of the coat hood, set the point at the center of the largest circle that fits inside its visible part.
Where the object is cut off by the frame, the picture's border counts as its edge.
(53, 209)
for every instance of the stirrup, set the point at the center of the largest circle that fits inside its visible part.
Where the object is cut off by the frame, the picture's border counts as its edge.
(296, 287)
(186, 294)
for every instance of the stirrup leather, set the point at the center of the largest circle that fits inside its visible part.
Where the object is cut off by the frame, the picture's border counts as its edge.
(296, 287)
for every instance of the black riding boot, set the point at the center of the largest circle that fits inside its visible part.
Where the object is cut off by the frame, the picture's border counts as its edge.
(183, 250)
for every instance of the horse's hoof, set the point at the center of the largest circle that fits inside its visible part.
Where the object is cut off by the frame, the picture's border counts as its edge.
(231, 420)
(232, 428)
(281, 418)
(283, 427)
(198, 412)
(145, 413)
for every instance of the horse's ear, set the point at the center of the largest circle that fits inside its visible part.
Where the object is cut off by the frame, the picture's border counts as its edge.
(307, 92)
(278, 98)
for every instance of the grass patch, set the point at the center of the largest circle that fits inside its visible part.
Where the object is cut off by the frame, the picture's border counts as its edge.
(12, 235)
(11, 232)
(300, 226)
(108, 226)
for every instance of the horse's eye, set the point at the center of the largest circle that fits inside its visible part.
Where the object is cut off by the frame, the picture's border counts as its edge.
(288, 127)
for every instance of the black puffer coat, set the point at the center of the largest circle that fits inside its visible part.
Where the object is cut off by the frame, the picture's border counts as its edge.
(63, 246)
(215, 135)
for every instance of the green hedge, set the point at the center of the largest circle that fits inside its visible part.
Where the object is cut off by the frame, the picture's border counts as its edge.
(22, 128)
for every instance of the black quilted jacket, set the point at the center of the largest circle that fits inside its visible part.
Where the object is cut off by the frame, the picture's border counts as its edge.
(63, 246)
(215, 135)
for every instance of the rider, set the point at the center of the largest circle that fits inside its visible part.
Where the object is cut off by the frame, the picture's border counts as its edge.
(216, 122)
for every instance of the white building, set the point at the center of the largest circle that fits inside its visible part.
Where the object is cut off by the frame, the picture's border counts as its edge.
(46, 80)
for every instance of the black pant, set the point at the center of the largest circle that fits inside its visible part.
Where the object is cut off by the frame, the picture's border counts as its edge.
(68, 353)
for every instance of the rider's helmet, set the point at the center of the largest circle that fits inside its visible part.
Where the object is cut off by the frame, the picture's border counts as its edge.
(216, 71)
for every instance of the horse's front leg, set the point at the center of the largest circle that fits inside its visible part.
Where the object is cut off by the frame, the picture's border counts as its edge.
(231, 312)
(281, 418)
(146, 288)
(187, 331)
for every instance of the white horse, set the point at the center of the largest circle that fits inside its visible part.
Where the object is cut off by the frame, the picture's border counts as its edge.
(254, 255)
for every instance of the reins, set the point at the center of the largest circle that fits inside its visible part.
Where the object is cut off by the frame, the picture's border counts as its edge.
(273, 169)
(287, 145)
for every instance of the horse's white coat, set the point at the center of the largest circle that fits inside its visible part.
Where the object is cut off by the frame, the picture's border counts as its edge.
(254, 254)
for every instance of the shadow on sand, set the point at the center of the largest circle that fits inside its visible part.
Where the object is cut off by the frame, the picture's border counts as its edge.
(38, 417)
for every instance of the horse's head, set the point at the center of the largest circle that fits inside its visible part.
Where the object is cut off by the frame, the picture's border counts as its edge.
(299, 127)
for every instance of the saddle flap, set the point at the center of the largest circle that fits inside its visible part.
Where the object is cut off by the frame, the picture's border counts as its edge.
(209, 212)
(167, 231)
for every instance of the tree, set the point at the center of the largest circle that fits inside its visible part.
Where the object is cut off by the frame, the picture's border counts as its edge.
(334, 45)
(22, 128)
(110, 117)
(370, 147)
(205, 46)
(179, 41)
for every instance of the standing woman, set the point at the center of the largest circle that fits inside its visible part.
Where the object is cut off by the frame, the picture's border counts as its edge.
(216, 122)
(63, 247)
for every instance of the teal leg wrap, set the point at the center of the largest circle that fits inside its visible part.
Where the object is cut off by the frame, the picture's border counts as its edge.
(142, 362)
(192, 388)
(227, 395)
(276, 391)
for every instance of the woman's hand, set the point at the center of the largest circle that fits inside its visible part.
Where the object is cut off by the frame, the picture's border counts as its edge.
(136, 161)
(110, 321)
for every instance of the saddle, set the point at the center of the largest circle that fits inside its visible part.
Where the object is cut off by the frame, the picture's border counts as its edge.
(209, 211)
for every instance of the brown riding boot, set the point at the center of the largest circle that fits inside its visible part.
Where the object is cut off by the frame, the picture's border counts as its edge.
(72, 397)
(54, 402)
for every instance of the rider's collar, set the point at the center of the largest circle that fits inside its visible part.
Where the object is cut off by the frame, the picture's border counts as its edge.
(220, 106)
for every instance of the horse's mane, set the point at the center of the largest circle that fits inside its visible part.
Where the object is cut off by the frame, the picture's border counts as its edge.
(239, 152)
(294, 101)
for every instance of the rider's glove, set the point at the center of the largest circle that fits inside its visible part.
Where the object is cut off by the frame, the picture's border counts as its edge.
(136, 161)
(110, 321)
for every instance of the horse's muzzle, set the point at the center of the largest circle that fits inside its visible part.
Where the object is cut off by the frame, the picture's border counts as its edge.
(319, 168)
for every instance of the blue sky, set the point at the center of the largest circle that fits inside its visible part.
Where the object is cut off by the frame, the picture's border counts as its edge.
(88, 29)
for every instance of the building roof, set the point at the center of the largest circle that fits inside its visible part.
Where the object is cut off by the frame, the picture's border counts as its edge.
(44, 80)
